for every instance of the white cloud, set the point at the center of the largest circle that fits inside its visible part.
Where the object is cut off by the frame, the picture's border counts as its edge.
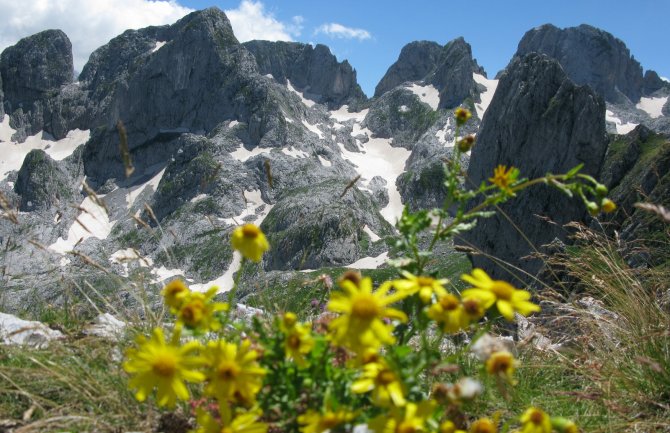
(665, 79)
(335, 30)
(251, 21)
(88, 23)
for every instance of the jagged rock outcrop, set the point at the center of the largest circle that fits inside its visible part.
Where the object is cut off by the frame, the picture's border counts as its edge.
(589, 56)
(36, 66)
(312, 70)
(637, 169)
(401, 115)
(448, 68)
(415, 62)
(453, 75)
(42, 183)
(33, 72)
(197, 169)
(653, 83)
(316, 226)
(199, 78)
(540, 122)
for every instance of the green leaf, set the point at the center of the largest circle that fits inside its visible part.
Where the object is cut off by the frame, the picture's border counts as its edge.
(574, 171)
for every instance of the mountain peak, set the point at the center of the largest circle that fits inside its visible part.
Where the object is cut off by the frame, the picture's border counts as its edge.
(589, 56)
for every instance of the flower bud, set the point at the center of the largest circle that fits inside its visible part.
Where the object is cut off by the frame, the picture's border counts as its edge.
(462, 115)
(564, 425)
(601, 190)
(592, 208)
(466, 143)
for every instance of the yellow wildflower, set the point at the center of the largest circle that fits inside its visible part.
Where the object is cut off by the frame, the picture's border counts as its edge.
(473, 308)
(242, 423)
(449, 427)
(298, 343)
(361, 324)
(501, 364)
(462, 115)
(157, 364)
(233, 372)
(174, 293)
(287, 322)
(197, 310)
(316, 422)
(483, 425)
(409, 419)
(383, 382)
(250, 241)
(503, 178)
(607, 205)
(504, 295)
(535, 420)
(424, 286)
(448, 312)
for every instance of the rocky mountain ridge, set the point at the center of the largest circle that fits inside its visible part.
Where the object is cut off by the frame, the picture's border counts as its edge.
(275, 133)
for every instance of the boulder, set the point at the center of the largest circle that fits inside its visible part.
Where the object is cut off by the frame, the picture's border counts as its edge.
(23, 332)
(42, 183)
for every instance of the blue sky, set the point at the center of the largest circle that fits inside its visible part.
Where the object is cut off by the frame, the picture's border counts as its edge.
(493, 28)
(368, 33)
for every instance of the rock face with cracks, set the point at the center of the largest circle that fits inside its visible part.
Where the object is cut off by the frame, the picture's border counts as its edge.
(311, 70)
(540, 122)
(448, 68)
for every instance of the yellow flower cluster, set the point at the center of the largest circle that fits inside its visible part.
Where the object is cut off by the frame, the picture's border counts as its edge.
(230, 371)
(193, 309)
(233, 373)
(365, 315)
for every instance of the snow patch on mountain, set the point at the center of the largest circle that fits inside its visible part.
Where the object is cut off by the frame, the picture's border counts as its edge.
(441, 135)
(158, 46)
(369, 262)
(313, 128)
(373, 235)
(136, 191)
(12, 154)
(123, 257)
(427, 94)
(379, 158)
(487, 96)
(164, 273)
(242, 153)
(304, 100)
(324, 161)
(621, 128)
(295, 153)
(6, 131)
(92, 221)
(343, 114)
(652, 106)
